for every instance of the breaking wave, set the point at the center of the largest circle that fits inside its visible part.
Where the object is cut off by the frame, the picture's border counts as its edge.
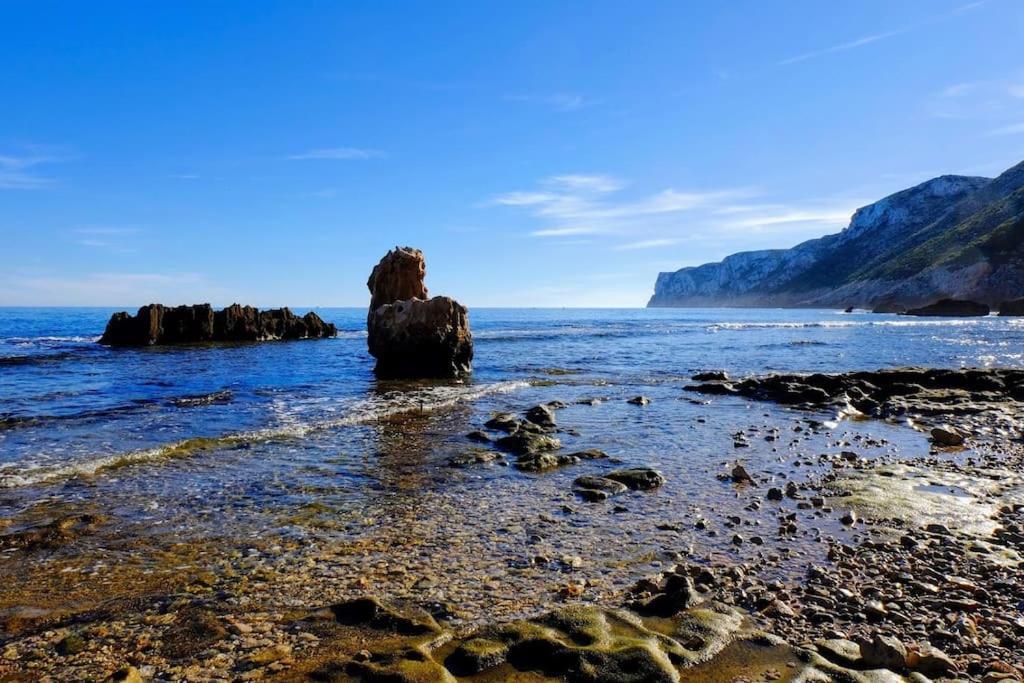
(360, 412)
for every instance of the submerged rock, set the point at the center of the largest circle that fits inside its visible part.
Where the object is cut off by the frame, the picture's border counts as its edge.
(409, 334)
(950, 308)
(637, 478)
(541, 415)
(157, 324)
(524, 442)
(595, 489)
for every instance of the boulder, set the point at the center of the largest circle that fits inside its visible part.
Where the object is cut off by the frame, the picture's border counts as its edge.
(950, 308)
(883, 652)
(157, 324)
(409, 334)
(1015, 307)
(637, 478)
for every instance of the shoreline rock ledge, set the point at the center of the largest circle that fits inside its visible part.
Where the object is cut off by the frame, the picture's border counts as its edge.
(157, 324)
(408, 333)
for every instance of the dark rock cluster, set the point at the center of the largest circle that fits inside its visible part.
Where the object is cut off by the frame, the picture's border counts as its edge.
(157, 324)
(885, 393)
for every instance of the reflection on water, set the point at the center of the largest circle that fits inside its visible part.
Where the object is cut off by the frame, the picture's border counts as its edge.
(293, 449)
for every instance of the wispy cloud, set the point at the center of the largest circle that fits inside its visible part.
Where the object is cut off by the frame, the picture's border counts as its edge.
(996, 103)
(827, 217)
(562, 101)
(339, 154)
(876, 37)
(105, 237)
(580, 204)
(646, 244)
(842, 47)
(105, 230)
(1012, 129)
(20, 171)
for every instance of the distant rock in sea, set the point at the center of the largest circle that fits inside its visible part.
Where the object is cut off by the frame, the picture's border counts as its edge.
(951, 308)
(157, 324)
(954, 237)
(409, 334)
(1014, 307)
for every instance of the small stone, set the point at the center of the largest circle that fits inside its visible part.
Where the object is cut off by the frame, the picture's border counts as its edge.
(947, 436)
(71, 644)
(129, 674)
(740, 475)
(541, 415)
(931, 661)
(884, 652)
(775, 493)
(850, 518)
(639, 400)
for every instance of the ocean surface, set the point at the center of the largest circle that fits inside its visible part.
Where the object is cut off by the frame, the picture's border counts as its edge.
(299, 440)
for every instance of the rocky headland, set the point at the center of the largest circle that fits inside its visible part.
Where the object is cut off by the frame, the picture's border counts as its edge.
(410, 334)
(157, 324)
(950, 237)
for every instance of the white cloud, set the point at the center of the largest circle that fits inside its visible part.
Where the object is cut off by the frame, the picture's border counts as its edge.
(646, 244)
(562, 102)
(580, 204)
(19, 171)
(1012, 129)
(876, 37)
(859, 42)
(825, 217)
(339, 154)
(104, 230)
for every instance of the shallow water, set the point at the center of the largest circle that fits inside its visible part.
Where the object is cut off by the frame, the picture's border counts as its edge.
(297, 442)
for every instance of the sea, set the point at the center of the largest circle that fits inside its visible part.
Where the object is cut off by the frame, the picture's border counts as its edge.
(299, 441)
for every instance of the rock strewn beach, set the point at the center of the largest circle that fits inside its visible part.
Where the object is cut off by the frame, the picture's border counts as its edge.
(902, 587)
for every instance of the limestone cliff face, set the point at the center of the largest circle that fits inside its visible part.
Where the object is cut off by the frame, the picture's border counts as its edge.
(952, 236)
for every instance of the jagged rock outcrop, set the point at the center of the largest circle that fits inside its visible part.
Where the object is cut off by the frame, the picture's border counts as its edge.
(952, 308)
(409, 334)
(1014, 307)
(157, 324)
(950, 237)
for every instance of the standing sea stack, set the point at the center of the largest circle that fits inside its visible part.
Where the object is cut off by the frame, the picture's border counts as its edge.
(409, 334)
(157, 324)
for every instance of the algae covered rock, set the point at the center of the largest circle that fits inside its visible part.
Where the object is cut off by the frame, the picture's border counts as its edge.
(637, 478)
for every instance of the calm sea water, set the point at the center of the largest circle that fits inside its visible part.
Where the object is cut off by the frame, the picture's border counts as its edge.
(233, 440)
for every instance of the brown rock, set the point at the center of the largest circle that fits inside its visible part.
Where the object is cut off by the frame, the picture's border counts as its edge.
(157, 324)
(409, 335)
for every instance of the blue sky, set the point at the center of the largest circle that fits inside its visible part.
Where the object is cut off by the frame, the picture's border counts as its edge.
(540, 153)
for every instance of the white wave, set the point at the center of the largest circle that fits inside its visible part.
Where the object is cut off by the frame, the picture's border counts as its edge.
(360, 412)
(33, 340)
(839, 324)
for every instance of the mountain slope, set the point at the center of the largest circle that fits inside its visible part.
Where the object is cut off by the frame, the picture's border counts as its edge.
(952, 236)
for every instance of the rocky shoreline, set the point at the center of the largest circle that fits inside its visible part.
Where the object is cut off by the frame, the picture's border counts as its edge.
(901, 590)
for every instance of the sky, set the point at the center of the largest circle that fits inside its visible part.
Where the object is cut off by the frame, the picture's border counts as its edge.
(539, 153)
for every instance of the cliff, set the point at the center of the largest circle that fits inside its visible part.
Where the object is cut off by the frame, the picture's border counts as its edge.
(950, 237)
